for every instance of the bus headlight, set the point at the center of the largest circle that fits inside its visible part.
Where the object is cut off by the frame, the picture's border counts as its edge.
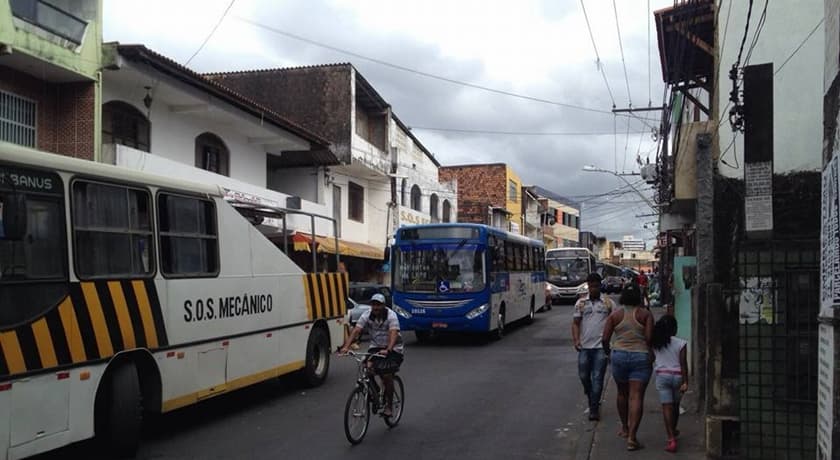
(475, 312)
(401, 311)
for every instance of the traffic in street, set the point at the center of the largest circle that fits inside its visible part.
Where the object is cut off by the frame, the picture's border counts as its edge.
(519, 397)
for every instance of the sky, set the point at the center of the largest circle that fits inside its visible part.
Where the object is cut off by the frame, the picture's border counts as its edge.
(555, 118)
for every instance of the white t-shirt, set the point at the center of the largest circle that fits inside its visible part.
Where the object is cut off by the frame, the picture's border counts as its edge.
(593, 314)
(380, 330)
(668, 357)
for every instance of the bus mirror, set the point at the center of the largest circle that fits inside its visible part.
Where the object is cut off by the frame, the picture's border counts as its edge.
(12, 216)
(386, 256)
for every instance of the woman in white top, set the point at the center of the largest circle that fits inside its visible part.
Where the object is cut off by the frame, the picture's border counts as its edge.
(671, 370)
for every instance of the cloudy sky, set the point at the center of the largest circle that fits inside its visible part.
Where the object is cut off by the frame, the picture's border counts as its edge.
(537, 49)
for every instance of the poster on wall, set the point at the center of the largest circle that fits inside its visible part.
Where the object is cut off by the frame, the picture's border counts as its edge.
(756, 303)
(829, 238)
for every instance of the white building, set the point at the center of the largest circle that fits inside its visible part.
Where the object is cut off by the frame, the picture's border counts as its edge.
(631, 243)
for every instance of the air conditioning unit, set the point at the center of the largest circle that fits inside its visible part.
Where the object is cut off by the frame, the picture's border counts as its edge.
(649, 173)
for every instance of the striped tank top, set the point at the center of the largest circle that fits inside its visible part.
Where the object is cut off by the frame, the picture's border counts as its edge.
(629, 334)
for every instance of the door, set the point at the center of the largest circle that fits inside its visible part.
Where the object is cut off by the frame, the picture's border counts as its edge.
(337, 209)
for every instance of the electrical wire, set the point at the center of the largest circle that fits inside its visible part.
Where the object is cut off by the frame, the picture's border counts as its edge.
(621, 47)
(597, 56)
(517, 133)
(802, 43)
(759, 27)
(418, 72)
(212, 32)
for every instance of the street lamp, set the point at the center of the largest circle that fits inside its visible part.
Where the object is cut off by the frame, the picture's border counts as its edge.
(590, 168)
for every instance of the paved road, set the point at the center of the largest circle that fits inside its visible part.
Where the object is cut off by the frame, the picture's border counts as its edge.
(517, 398)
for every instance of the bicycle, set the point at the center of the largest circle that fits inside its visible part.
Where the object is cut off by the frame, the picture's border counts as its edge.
(367, 398)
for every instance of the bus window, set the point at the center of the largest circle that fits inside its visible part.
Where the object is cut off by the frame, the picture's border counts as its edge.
(113, 229)
(188, 237)
(33, 266)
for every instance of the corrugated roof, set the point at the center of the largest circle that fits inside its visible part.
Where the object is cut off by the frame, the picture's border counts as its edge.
(558, 198)
(143, 54)
(275, 69)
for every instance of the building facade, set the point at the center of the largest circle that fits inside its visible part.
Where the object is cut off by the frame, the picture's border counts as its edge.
(50, 61)
(561, 224)
(740, 217)
(487, 194)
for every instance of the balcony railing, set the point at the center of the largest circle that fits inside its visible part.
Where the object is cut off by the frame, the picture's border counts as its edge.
(50, 18)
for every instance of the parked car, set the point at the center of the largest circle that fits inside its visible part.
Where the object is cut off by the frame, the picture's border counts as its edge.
(360, 294)
(612, 284)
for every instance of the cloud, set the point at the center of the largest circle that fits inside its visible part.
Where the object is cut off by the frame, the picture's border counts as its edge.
(536, 48)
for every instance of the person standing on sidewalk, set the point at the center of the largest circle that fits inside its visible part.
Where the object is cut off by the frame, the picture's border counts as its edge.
(590, 315)
(671, 373)
(631, 359)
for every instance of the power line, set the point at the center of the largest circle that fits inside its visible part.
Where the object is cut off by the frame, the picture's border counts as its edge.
(650, 99)
(762, 19)
(597, 56)
(623, 63)
(222, 18)
(800, 45)
(417, 72)
(516, 133)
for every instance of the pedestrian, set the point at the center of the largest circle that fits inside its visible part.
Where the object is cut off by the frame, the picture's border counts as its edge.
(671, 374)
(631, 359)
(642, 280)
(590, 314)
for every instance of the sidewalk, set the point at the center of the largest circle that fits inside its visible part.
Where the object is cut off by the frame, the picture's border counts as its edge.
(606, 445)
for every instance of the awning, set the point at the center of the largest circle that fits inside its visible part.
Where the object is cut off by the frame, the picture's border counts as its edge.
(326, 244)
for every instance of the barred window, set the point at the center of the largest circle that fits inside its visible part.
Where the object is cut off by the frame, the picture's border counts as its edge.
(17, 119)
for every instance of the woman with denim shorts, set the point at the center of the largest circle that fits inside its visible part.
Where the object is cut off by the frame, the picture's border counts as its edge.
(631, 359)
(671, 369)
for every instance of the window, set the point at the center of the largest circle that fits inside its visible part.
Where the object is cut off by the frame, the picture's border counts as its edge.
(356, 202)
(447, 211)
(433, 208)
(113, 231)
(125, 125)
(18, 120)
(513, 191)
(510, 257)
(415, 197)
(33, 266)
(211, 154)
(403, 191)
(189, 245)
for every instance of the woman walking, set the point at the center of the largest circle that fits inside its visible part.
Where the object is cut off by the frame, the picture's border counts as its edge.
(631, 359)
(671, 369)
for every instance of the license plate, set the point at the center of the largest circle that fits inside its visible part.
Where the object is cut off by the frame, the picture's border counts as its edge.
(440, 325)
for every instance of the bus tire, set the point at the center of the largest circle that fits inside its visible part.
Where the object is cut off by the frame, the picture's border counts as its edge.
(317, 364)
(423, 336)
(531, 313)
(499, 332)
(119, 412)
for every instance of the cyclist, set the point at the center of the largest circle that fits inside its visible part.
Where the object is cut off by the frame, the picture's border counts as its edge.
(385, 340)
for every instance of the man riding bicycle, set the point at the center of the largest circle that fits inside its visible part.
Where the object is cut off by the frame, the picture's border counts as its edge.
(385, 340)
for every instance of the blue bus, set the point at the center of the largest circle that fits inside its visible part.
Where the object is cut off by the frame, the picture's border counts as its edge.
(465, 278)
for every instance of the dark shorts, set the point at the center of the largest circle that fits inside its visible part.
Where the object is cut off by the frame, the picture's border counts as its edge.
(390, 364)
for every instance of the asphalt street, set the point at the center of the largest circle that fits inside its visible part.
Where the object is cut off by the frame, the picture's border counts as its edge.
(464, 398)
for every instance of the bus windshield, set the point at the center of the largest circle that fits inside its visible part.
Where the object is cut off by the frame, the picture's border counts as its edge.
(567, 270)
(441, 268)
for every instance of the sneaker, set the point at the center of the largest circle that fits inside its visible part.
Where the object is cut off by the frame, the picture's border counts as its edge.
(594, 415)
(671, 446)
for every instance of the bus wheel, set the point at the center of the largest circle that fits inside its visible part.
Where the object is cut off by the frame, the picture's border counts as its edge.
(500, 328)
(119, 412)
(532, 312)
(423, 336)
(317, 357)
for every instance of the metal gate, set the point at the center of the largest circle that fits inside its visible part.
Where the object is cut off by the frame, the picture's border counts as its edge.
(778, 300)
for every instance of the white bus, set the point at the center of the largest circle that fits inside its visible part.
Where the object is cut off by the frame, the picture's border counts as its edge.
(124, 293)
(567, 268)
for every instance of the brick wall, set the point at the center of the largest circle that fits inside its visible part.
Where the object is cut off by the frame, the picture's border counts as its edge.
(66, 112)
(317, 98)
(479, 186)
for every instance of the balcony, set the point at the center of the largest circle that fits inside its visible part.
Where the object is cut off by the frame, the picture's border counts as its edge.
(50, 18)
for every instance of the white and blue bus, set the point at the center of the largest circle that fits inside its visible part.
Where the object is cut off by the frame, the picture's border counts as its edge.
(465, 278)
(567, 268)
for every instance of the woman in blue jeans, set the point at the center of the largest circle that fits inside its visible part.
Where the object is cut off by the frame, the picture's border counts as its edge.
(631, 358)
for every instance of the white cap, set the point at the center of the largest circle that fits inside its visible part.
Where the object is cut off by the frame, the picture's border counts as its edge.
(378, 298)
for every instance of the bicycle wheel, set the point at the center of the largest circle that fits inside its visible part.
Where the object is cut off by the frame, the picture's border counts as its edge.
(356, 416)
(398, 403)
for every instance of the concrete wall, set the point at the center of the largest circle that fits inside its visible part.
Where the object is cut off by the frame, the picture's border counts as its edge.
(307, 183)
(514, 204)
(797, 88)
